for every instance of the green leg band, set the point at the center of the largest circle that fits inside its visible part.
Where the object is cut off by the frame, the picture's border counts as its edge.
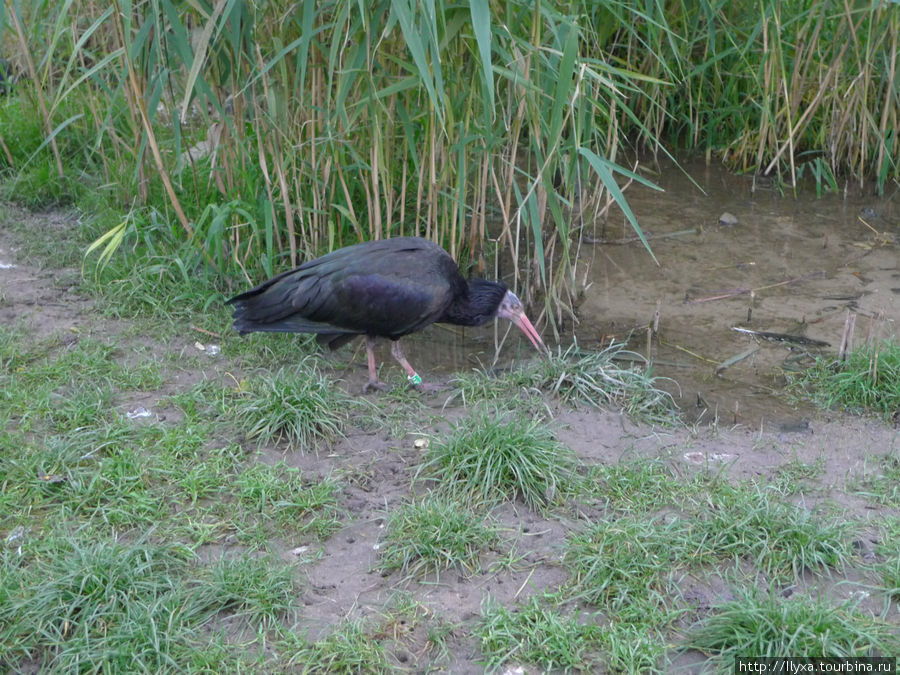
(414, 379)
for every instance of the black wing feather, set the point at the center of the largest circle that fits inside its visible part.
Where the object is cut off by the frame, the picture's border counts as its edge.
(387, 288)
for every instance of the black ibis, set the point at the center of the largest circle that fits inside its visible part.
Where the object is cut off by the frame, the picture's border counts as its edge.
(386, 288)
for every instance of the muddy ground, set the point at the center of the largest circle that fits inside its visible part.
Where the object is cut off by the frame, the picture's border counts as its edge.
(339, 579)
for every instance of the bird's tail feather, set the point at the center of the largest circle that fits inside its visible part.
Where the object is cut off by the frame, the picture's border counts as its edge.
(293, 324)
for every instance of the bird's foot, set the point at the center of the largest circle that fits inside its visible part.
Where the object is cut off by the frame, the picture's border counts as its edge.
(429, 387)
(415, 380)
(374, 385)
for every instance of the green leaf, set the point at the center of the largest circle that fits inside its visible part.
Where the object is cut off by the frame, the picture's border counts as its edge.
(411, 34)
(110, 240)
(481, 25)
(564, 83)
(604, 170)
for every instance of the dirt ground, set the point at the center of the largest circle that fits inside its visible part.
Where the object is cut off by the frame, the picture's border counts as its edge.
(340, 579)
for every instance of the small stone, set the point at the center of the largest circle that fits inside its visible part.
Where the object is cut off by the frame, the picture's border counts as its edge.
(864, 548)
(728, 219)
(868, 212)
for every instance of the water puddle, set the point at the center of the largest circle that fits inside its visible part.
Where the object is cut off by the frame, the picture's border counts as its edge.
(787, 266)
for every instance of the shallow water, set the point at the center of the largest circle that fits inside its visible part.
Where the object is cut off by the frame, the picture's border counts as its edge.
(808, 260)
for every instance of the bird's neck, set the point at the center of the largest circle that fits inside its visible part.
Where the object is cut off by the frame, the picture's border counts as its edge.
(478, 305)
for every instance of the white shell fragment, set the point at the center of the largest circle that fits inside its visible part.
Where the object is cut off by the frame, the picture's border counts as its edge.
(211, 350)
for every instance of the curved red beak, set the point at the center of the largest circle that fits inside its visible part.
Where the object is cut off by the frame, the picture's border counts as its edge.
(511, 309)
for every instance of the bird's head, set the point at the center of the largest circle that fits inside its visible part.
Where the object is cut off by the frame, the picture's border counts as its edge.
(511, 309)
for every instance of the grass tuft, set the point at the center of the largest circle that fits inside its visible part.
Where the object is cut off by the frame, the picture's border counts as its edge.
(281, 494)
(642, 485)
(635, 646)
(630, 560)
(100, 607)
(494, 456)
(99, 473)
(765, 624)
(349, 649)
(890, 574)
(580, 377)
(780, 538)
(882, 485)
(168, 282)
(434, 534)
(299, 408)
(887, 547)
(798, 476)
(537, 635)
(620, 563)
(263, 589)
(865, 382)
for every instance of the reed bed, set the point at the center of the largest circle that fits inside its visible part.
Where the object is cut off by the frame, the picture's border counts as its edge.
(267, 133)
